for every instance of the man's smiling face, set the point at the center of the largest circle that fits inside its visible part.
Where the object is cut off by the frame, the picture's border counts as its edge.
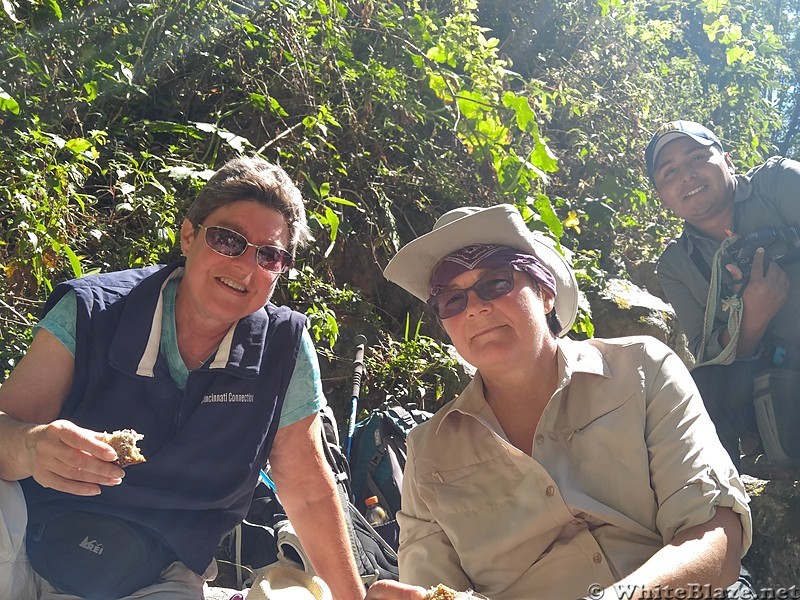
(695, 181)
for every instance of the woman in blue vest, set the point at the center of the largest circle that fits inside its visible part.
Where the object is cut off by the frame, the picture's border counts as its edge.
(217, 379)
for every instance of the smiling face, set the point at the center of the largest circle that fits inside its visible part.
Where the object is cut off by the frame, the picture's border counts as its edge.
(696, 182)
(500, 333)
(222, 289)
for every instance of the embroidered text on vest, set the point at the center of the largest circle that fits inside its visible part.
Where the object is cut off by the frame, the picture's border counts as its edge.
(227, 397)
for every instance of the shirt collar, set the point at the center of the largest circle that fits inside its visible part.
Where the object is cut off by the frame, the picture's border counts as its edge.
(239, 352)
(573, 357)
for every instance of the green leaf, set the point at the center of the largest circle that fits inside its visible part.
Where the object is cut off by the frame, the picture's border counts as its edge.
(276, 108)
(544, 207)
(715, 7)
(74, 261)
(338, 200)
(55, 7)
(170, 127)
(90, 87)
(526, 118)
(258, 100)
(543, 158)
(78, 145)
(8, 103)
(472, 105)
(333, 223)
(437, 54)
(739, 54)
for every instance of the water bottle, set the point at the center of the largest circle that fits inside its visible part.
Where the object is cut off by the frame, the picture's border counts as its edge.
(375, 514)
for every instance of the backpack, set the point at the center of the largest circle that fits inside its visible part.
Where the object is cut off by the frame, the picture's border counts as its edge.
(266, 537)
(378, 457)
(376, 558)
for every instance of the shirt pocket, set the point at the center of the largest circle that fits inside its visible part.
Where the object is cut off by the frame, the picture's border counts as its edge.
(473, 488)
(612, 434)
(606, 411)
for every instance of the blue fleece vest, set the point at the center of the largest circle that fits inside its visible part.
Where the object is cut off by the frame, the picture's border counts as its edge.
(205, 445)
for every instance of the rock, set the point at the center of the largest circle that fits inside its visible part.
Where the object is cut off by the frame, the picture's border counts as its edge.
(774, 557)
(622, 309)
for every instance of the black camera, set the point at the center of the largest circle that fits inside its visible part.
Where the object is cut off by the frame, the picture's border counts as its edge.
(780, 245)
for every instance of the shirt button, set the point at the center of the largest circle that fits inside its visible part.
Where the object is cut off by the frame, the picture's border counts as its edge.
(598, 558)
(550, 490)
(540, 439)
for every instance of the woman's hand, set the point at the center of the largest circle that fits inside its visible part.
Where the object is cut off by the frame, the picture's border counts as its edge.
(71, 459)
(386, 589)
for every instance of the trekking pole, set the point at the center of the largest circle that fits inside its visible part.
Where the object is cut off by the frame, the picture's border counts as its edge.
(358, 372)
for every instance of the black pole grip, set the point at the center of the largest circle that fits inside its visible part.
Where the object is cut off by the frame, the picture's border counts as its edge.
(358, 364)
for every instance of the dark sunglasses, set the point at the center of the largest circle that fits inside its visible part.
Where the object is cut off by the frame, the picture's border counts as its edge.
(490, 286)
(231, 243)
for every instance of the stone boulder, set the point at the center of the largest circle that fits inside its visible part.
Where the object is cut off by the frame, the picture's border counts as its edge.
(774, 557)
(622, 309)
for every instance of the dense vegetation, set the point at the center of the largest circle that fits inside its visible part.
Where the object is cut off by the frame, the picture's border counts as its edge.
(386, 113)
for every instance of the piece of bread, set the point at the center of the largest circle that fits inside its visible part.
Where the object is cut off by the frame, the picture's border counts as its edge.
(124, 443)
(442, 592)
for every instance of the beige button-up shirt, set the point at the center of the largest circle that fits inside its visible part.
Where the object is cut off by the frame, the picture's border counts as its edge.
(624, 458)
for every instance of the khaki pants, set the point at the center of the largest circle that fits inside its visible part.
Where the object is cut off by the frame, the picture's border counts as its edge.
(19, 582)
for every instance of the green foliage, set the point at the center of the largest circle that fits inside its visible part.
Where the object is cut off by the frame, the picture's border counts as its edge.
(112, 115)
(323, 304)
(415, 368)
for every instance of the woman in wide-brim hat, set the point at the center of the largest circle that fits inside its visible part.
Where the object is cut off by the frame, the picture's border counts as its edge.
(565, 466)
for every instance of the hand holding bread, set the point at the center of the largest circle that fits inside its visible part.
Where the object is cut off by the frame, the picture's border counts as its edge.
(387, 589)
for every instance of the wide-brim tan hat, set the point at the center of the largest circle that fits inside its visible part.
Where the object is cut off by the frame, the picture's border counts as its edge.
(413, 266)
(287, 583)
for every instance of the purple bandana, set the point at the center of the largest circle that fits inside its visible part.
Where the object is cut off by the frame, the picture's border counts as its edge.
(489, 256)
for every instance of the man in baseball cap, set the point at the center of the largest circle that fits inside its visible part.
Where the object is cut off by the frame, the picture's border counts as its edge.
(731, 340)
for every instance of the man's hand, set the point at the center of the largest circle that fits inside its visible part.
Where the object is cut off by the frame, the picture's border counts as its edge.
(767, 289)
(71, 459)
(764, 294)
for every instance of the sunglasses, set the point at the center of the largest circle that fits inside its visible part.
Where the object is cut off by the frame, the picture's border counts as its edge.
(231, 243)
(490, 286)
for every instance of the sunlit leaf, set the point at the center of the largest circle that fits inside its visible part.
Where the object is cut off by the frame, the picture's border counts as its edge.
(472, 105)
(276, 108)
(74, 261)
(90, 87)
(8, 103)
(9, 7)
(55, 7)
(338, 200)
(237, 142)
(333, 222)
(544, 207)
(78, 145)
